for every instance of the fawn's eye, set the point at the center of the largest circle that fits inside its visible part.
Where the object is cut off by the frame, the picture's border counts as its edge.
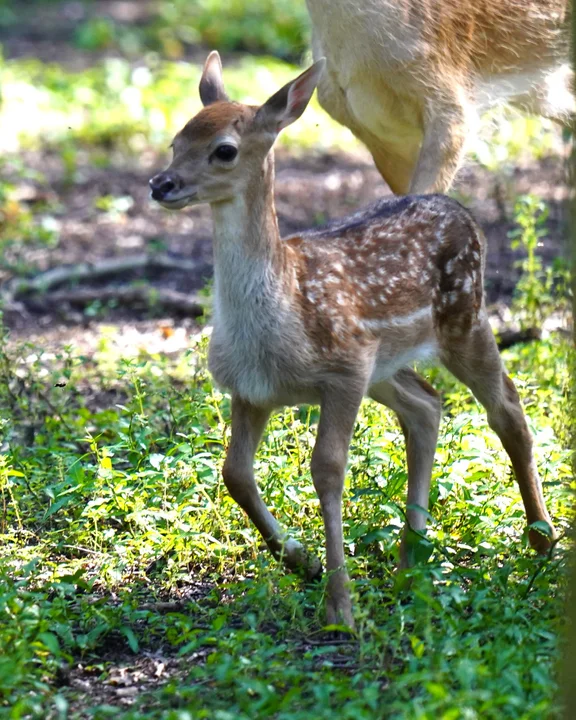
(226, 152)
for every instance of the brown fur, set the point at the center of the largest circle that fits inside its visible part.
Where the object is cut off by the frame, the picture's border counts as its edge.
(213, 120)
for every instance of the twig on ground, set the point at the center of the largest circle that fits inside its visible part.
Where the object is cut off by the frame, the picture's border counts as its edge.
(174, 606)
(89, 271)
(507, 338)
(34, 292)
(138, 294)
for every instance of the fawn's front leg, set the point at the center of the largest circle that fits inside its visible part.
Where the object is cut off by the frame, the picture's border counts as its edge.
(338, 411)
(248, 423)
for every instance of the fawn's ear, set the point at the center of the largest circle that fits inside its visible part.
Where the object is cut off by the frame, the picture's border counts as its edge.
(211, 83)
(286, 105)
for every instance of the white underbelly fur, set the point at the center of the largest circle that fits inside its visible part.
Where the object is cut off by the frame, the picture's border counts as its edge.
(385, 368)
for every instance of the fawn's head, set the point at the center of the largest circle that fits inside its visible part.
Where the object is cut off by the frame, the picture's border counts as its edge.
(218, 152)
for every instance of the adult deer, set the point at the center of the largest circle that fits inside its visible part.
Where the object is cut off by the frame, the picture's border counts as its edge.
(333, 314)
(409, 76)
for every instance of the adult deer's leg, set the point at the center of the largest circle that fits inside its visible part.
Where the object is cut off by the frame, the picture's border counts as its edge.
(248, 424)
(339, 408)
(396, 170)
(419, 409)
(446, 123)
(474, 359)
(552, 97)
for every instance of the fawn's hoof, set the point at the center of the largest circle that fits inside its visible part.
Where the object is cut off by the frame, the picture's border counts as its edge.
(299, 560)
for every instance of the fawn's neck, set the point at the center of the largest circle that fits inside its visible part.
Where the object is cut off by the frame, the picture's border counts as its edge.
(249, 256)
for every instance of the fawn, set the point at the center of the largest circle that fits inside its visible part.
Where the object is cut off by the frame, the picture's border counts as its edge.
(408, 77)
(334, 314)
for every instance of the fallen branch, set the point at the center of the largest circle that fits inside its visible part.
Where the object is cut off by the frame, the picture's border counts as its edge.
(89, 271)
(167, 606)
(125, 295)
(507, 338)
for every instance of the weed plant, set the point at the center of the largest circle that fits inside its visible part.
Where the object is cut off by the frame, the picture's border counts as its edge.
(539, 291)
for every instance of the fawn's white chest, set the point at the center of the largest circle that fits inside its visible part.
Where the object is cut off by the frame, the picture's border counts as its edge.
(256, 334)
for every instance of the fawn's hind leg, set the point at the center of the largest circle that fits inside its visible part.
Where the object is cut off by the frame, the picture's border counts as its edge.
(474, 359)
(418, 408)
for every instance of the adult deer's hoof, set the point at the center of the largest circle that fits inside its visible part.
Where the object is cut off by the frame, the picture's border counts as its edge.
(339, 612)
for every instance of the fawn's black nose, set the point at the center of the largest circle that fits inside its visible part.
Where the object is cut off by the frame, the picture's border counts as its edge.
(163, 183)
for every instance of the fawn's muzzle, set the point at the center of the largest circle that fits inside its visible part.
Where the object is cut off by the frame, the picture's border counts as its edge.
(163, 184)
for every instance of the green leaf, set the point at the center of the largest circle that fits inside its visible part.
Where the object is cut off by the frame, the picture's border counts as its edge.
(542, 527)
(418, 646)
(50, 641)
(421, 510)
(132, 639)
(419, 549)
(59, 504)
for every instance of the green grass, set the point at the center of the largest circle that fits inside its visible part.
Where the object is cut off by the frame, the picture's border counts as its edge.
(278, 27)
(111, 498)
